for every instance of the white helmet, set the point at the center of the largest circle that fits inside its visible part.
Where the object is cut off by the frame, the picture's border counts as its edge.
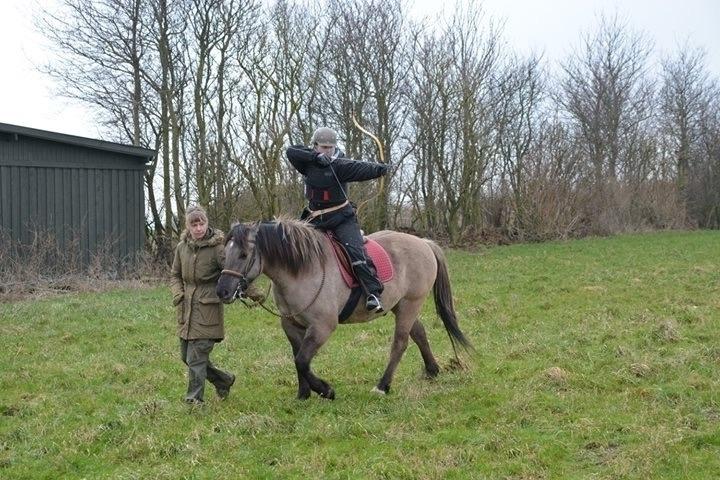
(325, 136)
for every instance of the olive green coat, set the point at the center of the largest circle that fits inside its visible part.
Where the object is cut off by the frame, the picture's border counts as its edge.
(195, 270)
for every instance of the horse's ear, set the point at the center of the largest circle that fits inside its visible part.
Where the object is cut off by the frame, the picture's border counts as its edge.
(229, 234)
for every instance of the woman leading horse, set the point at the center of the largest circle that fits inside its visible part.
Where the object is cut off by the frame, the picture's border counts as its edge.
(310, 292)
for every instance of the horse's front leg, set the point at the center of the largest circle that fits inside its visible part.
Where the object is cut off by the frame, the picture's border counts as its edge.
(295, 334)
(315, 336)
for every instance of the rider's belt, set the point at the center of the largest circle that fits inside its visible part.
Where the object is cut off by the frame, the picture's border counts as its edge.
(317, 213)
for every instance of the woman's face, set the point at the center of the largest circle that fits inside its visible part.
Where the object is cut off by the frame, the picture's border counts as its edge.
(198, 229)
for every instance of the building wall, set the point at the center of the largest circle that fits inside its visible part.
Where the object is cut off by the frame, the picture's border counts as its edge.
(76, 194)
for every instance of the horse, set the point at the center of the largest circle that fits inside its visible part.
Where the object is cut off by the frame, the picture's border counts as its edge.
(309, 291)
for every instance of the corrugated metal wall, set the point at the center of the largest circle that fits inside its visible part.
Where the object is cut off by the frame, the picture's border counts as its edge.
(77, 194)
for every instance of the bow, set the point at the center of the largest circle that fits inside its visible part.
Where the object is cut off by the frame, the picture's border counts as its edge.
(382, 158)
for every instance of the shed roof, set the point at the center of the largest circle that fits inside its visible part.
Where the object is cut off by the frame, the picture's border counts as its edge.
(145, 154)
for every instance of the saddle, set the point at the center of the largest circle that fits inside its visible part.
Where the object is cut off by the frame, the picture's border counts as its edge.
(383, 267)
(380, 258)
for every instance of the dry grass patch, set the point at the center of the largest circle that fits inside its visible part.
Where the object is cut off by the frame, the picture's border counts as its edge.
(557, 376)
(640, 369)
(667, 331)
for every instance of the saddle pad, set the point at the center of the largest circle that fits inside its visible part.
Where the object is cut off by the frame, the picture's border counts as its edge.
(380, 258)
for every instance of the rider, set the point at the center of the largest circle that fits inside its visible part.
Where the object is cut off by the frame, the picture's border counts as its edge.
(326, 173)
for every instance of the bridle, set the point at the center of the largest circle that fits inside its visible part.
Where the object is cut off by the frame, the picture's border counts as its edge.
(243, 282)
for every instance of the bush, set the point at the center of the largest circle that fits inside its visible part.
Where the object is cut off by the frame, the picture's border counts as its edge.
(44, 267)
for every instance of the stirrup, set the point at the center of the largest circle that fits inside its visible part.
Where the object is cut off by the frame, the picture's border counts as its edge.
(373, 304)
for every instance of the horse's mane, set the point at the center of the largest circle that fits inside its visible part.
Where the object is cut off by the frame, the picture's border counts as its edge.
(290, 243)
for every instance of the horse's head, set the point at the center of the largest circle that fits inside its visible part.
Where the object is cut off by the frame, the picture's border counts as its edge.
(243, 263)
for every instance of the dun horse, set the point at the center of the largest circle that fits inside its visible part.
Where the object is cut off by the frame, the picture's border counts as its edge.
(310, 291)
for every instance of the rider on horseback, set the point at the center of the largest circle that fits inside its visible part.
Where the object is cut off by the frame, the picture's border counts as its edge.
(326, 173)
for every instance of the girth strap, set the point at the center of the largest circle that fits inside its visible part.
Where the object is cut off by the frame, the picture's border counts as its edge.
(350, 305)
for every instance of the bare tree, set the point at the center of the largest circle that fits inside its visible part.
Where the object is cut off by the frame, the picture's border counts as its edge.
(704, 188)
(606, 94)
(431, 108)
(454, 94)
(207, 34)
(165, 71)
(99, 46)
(516, 118)
(554, 186)
(684, 98)
(369, 54)
(277, 62)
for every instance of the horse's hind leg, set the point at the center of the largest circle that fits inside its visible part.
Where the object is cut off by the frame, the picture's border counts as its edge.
(315, 337)
(417, 333)
(295, 334)
(405, 314)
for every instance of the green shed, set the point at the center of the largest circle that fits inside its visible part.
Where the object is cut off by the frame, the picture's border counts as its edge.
(80, 190)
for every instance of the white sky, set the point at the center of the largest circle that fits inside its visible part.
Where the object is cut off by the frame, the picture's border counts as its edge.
(553, 27)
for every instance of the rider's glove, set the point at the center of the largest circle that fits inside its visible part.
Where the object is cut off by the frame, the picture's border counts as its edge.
(323, 159)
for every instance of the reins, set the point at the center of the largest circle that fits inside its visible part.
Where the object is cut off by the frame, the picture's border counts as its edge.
(271, 311)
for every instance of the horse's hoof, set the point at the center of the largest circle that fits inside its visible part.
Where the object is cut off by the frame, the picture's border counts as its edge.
(329, 395)
(377, 391)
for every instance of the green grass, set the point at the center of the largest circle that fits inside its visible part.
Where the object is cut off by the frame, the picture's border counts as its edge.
(596, 358)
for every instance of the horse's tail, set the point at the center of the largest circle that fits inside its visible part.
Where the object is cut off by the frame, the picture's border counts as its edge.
(444, 301)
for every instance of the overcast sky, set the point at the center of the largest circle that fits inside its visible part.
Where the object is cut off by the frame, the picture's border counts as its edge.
(552, 27)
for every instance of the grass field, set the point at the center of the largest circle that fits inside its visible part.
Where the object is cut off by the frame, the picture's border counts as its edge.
(595, 358)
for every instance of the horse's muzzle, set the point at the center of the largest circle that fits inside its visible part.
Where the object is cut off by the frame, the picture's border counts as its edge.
(228, 294)
(224, 295)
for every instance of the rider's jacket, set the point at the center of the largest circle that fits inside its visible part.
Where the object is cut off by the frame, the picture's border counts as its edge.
(326, 186)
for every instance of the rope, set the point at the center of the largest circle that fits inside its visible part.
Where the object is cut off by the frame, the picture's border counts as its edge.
(269, 310)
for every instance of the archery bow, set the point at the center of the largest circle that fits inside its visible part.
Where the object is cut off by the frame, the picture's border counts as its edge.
(382, 158)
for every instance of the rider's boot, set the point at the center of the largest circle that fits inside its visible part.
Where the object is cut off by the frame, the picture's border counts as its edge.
(373, 304)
